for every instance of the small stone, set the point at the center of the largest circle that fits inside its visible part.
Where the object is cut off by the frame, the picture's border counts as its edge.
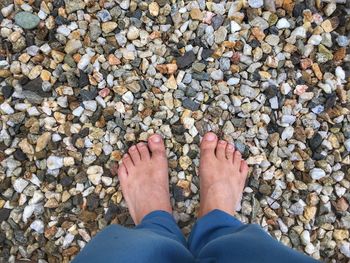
(255, 3)
(6, 108)
(247, 91)
(125, 4)
(153, 9)
(220, 35)
(133, 33)
(341, 234)
(235, 26)
(196, 14)
(7, 91)
(315, 40)
(128, 97)
(190, 104)
(19, 185)
(329, 25)
(72, 46)
(330, 8)
(217, 75)
(95, 173)
(185, 162)
(109, 27)
(54, 162)
(38, 226)
(74, 5)
(317, 173)
(287, 133)
(4, 214)
(272, 40)
(186, 60)
(27, 20)
(43, 141)
(347, 145)
(90, 105)
(343, 41)
(283, 23)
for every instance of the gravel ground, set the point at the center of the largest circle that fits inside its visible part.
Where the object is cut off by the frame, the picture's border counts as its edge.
(82, 80)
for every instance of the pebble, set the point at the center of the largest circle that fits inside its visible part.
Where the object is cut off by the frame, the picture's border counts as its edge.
(343, 41)
(317, 173)
(95, 173)
(19, 185)
(283, 23)
(186, 60)
(217, 75)
(128, 97)
(37, 226)
(27, 20)
(54, 162)
(93, 78)
(255, 3)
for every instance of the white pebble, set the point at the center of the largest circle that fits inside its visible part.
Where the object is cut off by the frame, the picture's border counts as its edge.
(283, 23)
(19, 185)
(6, 108)
(54, 162)
(317, 173)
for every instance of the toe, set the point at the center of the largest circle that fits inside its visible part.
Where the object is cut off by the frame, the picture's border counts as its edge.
(143, 150)
(156, 146)
(244, 168)
(220, 150)
(134, 154)
(230, 149)
(129, 165)
(237, 157)
(122, 173)
(208, 144)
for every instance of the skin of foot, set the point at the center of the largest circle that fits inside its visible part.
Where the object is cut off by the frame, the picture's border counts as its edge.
(222, 174)
(144, 180)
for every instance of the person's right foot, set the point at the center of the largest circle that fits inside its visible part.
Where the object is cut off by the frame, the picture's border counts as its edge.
(222, 174)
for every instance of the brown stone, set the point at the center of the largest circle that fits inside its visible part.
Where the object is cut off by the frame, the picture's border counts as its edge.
(113, 60)
(4, 73)
(258, 33)
(70, 251)
(196, 14)
(341, 204)
(317, 71)
(340, 54)
(305, 63)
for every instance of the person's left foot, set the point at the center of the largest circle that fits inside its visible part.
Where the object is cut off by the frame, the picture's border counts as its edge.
(144, 180)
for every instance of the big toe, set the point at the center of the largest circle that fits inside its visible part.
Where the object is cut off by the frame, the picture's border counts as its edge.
(208, 144)
(156, 146)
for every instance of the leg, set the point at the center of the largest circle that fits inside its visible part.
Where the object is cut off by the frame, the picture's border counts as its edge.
(144, 180)
(218, 235)
(157, 236)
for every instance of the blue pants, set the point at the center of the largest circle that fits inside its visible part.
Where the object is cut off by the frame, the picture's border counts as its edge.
(216, 237)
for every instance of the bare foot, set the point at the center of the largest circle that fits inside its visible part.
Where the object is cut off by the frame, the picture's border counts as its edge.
(222, 175)
(144, 178)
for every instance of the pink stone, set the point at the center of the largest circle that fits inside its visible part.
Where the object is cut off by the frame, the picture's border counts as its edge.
(207, 17)
(317, 18)
(300, 89)
(104, 92)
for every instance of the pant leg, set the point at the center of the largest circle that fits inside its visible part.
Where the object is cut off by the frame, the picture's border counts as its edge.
(156, 239)
(219, 237)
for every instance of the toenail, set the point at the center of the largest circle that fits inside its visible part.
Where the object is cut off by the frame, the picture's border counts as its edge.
(210, 137)
(155, 138)
(133, 148)
(222, 142)
(126, 156)
(230, 147)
